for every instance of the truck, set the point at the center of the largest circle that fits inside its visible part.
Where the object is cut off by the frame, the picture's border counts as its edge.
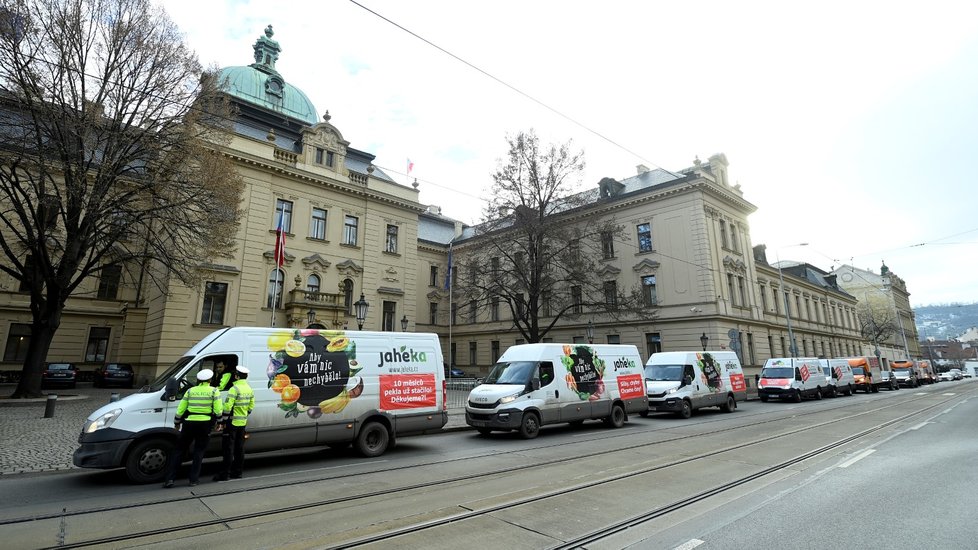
(926, 372)
(907, 373)
(312, 387)
(532, 385)
(868, 374)
(683, 381)
(791, 378)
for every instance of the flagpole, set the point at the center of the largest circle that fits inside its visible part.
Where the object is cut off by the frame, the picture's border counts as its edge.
(278, 273)
(451, 291)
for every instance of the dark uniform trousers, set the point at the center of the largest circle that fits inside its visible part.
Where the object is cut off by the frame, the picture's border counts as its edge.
(196, 432)
(232, 443)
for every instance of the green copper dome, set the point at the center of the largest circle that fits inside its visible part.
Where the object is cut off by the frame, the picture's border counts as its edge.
(261, 85)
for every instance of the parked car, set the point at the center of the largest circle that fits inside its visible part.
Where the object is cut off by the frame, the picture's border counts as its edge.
(59, 374)
(114, 374)
(946, 377)
(454, 372)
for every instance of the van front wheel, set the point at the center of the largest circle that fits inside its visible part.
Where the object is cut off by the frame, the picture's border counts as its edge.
(617, 417)
(730, 405)
(147, 460)
(529, 426)
(373, 439)
(686, 409)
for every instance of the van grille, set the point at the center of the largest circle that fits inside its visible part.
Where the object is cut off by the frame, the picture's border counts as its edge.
(657, 395)
(482, 405)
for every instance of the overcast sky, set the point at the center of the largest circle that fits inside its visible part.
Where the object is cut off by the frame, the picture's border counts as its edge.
(852, 126)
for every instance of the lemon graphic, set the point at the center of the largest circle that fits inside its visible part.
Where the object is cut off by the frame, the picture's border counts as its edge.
(276, 341)
(338, 344)
(295, 348)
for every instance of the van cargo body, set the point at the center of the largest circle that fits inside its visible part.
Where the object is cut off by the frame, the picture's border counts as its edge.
(868, 374)
(791, 378)
(312, 387)
(684, 381)
(532, 385)
(907, 373)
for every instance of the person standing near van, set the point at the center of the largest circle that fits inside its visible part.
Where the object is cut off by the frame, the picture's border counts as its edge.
(201, 405)
(238, 404)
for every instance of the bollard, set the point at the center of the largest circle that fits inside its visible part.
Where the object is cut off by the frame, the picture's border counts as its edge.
(114, 397)
(49, 405)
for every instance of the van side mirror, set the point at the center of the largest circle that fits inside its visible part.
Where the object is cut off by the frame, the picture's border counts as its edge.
(535, 384)
(170, 390)
(687, 380)
(797, 375)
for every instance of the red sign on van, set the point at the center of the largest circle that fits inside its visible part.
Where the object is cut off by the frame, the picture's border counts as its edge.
(407, 391)
(737, 382)
(631, 386)
(804, 373)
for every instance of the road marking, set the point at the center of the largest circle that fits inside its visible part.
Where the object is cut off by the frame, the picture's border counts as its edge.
(688, 545)
(949, 394)
(857, 458)
(922, 393)
(919, 426)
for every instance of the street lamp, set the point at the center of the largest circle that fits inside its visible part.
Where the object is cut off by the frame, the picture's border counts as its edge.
(704, 341)
(792, 347)
(360, 309)
(590, 332)
(404, 323)
(311, 317)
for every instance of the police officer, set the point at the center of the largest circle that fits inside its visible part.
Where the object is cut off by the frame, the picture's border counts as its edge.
(238, 404)
(223, 376)
(196, 413)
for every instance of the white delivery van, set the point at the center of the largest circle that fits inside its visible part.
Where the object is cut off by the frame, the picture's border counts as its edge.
(791, 378)
(838, 375)
(683, 381)
(312, 387)
(532, 385)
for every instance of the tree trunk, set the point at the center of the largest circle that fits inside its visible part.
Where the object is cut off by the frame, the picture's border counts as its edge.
(42, 334)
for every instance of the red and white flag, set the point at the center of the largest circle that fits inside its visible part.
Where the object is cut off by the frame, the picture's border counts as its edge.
(280, 241)
(410, 166)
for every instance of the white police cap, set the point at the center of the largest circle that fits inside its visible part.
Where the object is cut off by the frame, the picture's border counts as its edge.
(243, 370)
(205, 375)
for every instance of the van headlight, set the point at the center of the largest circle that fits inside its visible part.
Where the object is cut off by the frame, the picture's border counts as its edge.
(103, 421)
(508, 399)
(672, 390)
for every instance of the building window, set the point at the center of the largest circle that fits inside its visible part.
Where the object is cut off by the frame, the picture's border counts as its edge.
(798, 306)
(546, 304)
(348, 296)
(750, 348)
(607, 245)
(433, 275)
(18, 340)
(313, 284)
(473, 353)
(390, 310)
(275, 284)
(454, 320)
(787, 303)
(610, 294)
(723, 234)
(763, 292)
(644, 237)
(25, 285)
(317, 229)
(432, 313)
(454, 353)
(324, 157)
(472, 311)
(494, 266)
(108, 282)
(649, 293)
(743, 291)
(283, 211)
(215, 299)
(391, 239)
(494, 346)
(784, 348)
(770, 345)
(494, 308)
(98, 343)
(614, 339)
(730, 289)
(734, 243)
(653, 342)
(574, 250)
(350, 226)
(576, 299)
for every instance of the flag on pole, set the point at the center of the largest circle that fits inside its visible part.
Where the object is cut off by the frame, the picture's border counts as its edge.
(448, 275)
(280, 241)
(410, 166)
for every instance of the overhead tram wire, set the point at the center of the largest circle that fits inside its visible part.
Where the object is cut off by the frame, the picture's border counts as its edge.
(513, 88)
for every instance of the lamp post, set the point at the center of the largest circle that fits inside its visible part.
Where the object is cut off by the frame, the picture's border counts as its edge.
(404, 323)
(792, 347)
(704, 341)
(360, 309)
(311, 317)
(590, 332)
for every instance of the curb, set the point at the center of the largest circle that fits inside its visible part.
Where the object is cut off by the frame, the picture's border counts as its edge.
(8, 402)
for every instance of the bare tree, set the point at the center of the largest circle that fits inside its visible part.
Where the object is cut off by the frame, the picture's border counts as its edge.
(876, 319)
(108, 155)
(537, 249)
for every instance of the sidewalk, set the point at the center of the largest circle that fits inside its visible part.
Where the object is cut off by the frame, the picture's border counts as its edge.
(31, 443)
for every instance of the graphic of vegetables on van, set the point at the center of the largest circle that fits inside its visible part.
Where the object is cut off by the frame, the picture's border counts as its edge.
(711, 372)
(311, 370)
(585, 371)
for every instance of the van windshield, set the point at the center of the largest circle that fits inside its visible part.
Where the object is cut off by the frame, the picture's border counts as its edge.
(160, 381)
(778, 372)
(513, 372)
(672, 373)
(858, 370)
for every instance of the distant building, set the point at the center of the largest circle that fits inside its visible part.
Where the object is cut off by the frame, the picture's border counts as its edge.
(867, 285)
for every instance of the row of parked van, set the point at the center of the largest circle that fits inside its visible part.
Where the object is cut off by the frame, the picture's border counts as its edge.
(790, 378)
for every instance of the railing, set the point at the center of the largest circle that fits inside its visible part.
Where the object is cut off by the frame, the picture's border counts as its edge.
(321, 299)
(358, 178)
(458, 391)
(287, 157)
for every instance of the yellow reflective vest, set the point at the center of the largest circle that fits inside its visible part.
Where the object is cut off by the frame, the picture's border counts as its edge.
(239, 403)
(200, 403)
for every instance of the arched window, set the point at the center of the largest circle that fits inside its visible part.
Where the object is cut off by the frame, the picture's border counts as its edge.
(276, 281)
(313, 284)
(348, 296)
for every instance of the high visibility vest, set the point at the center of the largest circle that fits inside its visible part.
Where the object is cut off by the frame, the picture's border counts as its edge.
(239, 403)
(201, 403)
(225, 380)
